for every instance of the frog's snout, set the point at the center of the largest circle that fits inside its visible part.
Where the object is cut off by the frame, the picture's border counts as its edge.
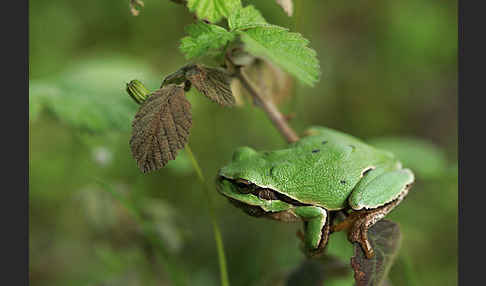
(243, 153)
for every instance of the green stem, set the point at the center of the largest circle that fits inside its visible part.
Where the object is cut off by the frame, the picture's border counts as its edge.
(216, 230)
(410, 277)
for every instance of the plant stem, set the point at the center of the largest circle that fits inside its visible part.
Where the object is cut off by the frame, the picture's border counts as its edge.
(269, 107)
(216, 230)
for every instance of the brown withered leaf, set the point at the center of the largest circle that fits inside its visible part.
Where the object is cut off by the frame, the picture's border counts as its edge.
(214, 83)
(160, 128)
(385, 239)
(287, 5)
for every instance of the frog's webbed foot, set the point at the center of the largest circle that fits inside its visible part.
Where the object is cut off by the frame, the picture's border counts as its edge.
(377, 194)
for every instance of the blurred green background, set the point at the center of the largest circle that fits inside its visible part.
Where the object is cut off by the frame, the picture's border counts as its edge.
(389, 76)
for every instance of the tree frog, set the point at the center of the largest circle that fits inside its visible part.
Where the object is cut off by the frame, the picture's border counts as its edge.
(314, 178)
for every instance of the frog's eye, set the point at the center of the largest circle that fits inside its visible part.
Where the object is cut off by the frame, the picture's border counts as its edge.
(244, 186)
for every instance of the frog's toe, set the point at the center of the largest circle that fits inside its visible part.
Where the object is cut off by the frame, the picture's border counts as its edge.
(315, 253)
(359, 234)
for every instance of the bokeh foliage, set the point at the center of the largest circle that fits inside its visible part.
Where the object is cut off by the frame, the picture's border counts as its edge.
(388, 75)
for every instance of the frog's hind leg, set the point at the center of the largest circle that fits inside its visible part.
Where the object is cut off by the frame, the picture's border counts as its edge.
(373, 199)
(316, 228)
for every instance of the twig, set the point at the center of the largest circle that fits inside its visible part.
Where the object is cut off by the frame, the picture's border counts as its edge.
(268, 106)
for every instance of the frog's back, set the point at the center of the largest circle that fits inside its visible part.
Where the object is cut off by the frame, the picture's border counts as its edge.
(323, 168)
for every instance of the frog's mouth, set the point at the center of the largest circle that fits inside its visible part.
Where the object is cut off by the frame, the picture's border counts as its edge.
(249, 209)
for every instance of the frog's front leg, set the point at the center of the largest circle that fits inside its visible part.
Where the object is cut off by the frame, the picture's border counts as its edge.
(373, 198)
(316, 228)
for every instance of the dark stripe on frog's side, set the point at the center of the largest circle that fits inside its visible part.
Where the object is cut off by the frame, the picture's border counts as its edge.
(265, 193)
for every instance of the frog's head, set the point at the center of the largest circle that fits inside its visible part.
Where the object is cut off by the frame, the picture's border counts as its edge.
(246, 184)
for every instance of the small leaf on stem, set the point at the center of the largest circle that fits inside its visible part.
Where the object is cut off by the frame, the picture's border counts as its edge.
(245, 18)
(385, 239)
(214, 83)
(137, 91)
(204, 39)
(213, 10)
(288, 50)
(160, 128)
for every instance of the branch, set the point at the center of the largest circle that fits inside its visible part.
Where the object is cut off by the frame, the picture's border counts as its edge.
(268, 106)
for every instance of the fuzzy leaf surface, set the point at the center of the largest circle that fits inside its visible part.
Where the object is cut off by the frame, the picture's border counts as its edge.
(286, 49)
(245, 18)
(213, 10)
(160, 128)
(204, 38)
(385, 238)
(214, 83)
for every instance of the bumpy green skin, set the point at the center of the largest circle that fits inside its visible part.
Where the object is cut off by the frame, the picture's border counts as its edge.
(326, 171)
(310, 171)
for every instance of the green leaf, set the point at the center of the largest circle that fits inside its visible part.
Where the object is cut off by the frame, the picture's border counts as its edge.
(204, 38)
(286, 49)
(246, 18)
(385, 238)
(423, 157)
(213, 10)
(90, 95)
